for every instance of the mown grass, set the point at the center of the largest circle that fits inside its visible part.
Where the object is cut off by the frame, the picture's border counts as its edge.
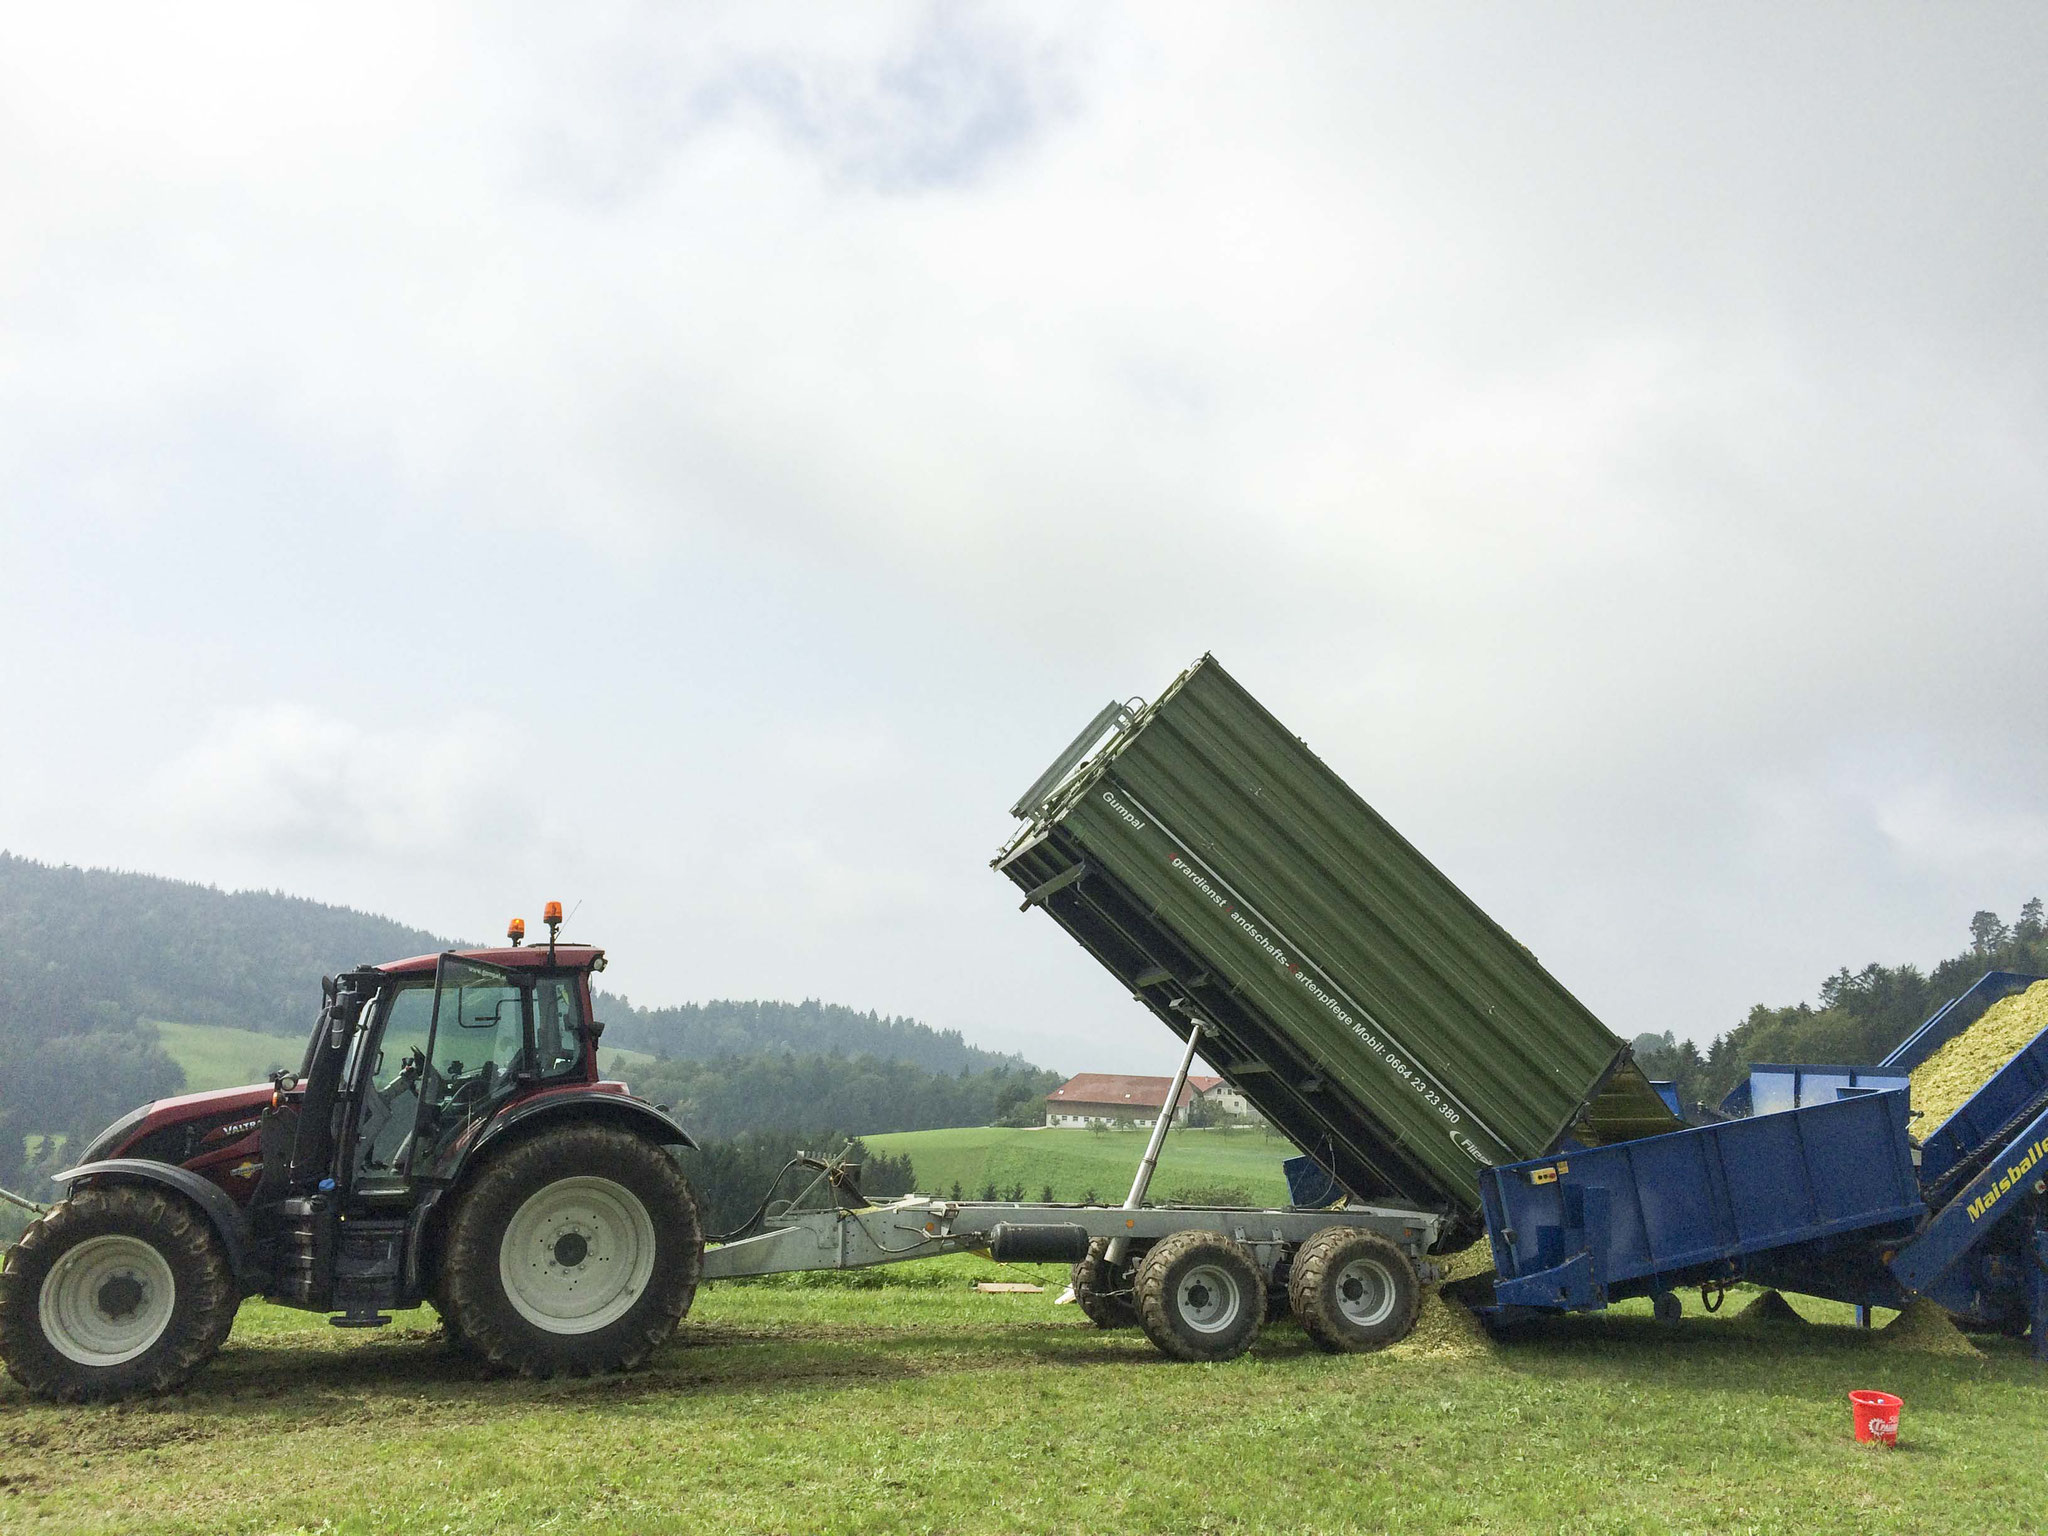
(1075, 1162)
(930, 1407)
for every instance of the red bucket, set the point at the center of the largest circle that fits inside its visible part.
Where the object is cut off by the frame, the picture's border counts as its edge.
(1877, 1417)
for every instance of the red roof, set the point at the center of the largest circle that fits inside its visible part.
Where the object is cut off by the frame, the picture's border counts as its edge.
(1122, 1091)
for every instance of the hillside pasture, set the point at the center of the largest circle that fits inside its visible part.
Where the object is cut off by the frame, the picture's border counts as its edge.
(913, 1403)
(1076, 1162)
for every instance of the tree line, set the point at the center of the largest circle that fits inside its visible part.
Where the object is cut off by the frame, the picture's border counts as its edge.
(811, 1093)
(727, 1027)
(1858, 1016)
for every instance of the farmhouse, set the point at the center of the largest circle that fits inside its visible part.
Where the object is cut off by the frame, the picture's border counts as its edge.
(1106, 1097)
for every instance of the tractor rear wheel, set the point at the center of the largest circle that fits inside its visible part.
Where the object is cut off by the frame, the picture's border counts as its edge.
(119, 1291)
(1201, 1296)
(1352, 1291)
(574, 1252)
(1102, 1301)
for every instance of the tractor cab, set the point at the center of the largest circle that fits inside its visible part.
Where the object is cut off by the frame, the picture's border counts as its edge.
(411, 1062)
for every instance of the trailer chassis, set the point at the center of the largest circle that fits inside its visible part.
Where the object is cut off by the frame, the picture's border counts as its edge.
(1197, 1279)
(920, 1227)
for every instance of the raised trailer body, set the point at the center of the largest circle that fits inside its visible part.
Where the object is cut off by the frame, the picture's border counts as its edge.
(1356, 997)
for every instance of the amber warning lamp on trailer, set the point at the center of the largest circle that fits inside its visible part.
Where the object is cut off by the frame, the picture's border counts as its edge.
(516, 932)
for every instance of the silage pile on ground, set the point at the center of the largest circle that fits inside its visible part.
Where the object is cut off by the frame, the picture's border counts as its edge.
(1445, 1328)
(1770, 1307)
(1926, 1327)
(1944, 1080)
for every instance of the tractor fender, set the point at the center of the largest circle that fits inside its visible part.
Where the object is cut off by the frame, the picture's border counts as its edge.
(230, 1223)
(588, 1104)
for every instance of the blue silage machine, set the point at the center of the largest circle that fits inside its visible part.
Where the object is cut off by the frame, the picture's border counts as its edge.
(1813, 1185)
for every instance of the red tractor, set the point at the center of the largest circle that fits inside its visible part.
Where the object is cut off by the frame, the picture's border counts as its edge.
(447, 1139)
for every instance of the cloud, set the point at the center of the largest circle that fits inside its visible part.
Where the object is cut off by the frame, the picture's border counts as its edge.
(292, 781)
(1614, 442)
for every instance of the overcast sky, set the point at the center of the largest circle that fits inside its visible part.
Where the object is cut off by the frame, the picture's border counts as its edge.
(701, 464)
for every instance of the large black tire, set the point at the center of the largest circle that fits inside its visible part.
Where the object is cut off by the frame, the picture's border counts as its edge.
(1352, 1291)
(1200, 1296)
(451, 1333)
(119, 1291)
(575, 1252)
(1102, 1300)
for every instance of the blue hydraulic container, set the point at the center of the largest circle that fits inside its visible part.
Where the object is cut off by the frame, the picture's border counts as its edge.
(1578, 1230)
(1310, 1186)
(1772, 1087)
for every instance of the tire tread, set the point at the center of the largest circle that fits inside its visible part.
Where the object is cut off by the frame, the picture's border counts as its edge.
(205, 1311)
(480, 1322)
(1155, 1308)
(1310, 1298)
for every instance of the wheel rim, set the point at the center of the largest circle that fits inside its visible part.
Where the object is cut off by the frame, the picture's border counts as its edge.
(1209, 1298)
(577, 1255)
(1365, 1292)
(107, 1300)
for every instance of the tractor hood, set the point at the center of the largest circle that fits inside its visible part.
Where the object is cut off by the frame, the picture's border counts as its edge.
(226, 1107)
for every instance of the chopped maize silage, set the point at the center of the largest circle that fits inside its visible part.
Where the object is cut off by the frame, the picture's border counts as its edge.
(1445, 1328)
(1925, 1327)
(1770, 1307)
(1944, 1080)
(1467, 1262)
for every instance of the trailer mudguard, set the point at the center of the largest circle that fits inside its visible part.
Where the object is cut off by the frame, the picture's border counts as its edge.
(228, 1220)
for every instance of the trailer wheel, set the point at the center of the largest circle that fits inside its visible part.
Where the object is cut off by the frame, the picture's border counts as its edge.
(1667, 1308)
(1094, 1287)
(1353, 1291)
(119, 1291)
(1200, 1296)
(575, 1252)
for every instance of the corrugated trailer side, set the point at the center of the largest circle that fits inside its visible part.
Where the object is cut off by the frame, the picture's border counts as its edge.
(1361, 1001)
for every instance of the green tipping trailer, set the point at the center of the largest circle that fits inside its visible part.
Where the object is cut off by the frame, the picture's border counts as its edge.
(1354, 995)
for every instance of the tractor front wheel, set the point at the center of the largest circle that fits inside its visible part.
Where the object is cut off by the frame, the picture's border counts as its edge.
(119, 1291)
(575, 1252)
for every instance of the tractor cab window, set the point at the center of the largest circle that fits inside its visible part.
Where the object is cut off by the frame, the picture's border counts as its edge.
(557, 1027)
(391, 1088)
(478, 1054)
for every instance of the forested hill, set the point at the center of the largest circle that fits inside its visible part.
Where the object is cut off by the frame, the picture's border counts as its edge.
(709, 1031)
(83, 949)
(87, 950)
(1858, 1016)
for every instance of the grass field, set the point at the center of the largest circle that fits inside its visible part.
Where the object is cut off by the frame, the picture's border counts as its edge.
(215, 1056)
(1075, 1161)
(920, 1405)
